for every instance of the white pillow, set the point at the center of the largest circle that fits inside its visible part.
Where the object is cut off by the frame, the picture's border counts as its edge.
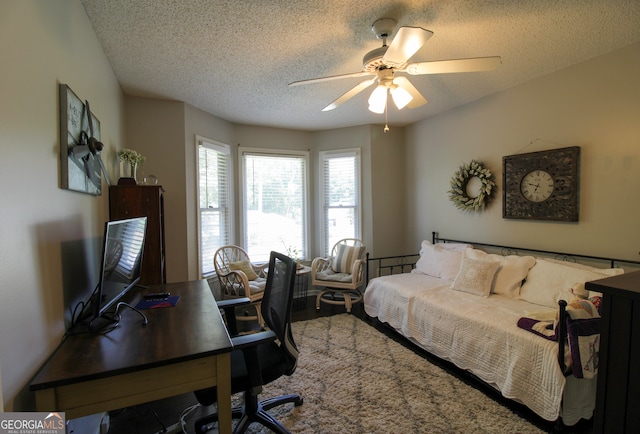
(513, 270)
(550, 281)
(475, 276)
(579, 290)
(441, 260)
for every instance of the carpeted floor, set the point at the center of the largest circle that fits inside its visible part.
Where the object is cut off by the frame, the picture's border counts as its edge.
(355, 379)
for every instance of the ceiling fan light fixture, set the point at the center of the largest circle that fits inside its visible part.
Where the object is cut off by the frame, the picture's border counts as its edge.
(382, 62)
(400, 96)
(378, 99)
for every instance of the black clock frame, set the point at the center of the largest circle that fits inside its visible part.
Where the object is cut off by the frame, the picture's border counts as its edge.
(562, 164)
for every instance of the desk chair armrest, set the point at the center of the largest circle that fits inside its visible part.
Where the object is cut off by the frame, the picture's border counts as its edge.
(248, 345)
(229, 307)
(233, 302)
(253, 339)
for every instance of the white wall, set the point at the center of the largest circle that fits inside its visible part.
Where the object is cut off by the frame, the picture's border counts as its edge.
(42, 44)
(594, 105)
(155, 128)
(388, 193)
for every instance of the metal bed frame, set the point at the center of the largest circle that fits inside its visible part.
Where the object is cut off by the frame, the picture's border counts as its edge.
(388, 265)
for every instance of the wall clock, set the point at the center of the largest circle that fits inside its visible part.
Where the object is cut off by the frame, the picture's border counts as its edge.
(541, 185)
(81, 167)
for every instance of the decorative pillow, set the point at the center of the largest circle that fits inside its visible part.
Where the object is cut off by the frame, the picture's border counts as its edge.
(512, 271)
(345, 257)
(475, 276)
(580, 291)
(441, 260)
(580, 308)
(245, 267)
(550, 281)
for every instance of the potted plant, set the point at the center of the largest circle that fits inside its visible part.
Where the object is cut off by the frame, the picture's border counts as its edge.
(129, 160)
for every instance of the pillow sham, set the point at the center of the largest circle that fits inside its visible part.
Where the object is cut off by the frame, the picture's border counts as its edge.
(245, 267)
(580, 290)
(345, 257)
(441, 260)
(550, 281)
(511, 273)
(475, 276)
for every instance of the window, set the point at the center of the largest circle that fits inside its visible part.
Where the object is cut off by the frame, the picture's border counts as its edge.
(214, 200)
(274, 196)
(340, 196)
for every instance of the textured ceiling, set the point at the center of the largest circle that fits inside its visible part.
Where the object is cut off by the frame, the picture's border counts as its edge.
(234, 58)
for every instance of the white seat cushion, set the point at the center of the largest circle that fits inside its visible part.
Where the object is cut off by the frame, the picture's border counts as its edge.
(332, 276)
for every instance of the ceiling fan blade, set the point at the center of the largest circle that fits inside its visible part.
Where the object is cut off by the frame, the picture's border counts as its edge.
(456, 65)
(329, 78)
(350, 94)
(418, 100)
(406, 42)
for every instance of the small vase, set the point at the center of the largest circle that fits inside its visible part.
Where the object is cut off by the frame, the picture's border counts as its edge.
(127, 173)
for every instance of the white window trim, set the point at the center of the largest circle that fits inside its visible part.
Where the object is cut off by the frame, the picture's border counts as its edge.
(225, 149)
(275, 152)
(323, 155)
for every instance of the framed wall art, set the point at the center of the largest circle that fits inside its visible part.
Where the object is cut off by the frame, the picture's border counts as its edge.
(81, 168)
(541, 185)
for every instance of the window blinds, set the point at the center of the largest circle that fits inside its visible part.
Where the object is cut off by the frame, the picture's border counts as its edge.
(340, 184)
(214, 200)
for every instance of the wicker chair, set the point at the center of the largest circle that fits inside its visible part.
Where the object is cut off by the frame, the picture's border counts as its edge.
(239, 278)
(341, 275)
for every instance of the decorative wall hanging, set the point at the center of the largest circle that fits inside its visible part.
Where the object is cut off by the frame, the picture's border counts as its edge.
(81, 166)
(541, 185)
(472, 187)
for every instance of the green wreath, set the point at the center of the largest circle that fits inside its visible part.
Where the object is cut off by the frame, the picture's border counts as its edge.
(458, 193)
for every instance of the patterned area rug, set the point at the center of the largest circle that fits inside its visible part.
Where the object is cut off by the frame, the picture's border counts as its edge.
(355, 379)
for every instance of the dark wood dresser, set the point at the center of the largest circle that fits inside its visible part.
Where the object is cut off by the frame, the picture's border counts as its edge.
(128, 201)
(618, 395)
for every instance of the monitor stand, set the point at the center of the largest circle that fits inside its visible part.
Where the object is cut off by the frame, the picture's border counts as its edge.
(145, 321)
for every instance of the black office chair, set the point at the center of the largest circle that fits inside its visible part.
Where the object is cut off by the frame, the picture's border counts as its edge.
(257, 359)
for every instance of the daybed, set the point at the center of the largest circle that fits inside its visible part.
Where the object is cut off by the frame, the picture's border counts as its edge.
(464, 305)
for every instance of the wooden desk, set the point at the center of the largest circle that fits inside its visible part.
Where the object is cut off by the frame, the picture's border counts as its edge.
(182, 349)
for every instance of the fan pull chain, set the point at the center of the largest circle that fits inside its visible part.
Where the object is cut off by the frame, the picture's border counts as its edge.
(386, 117)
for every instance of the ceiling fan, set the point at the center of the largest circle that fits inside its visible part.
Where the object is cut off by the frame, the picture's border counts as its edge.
(88, 150)
(381, 64)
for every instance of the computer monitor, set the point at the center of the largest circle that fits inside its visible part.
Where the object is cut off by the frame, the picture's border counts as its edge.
(122, 250)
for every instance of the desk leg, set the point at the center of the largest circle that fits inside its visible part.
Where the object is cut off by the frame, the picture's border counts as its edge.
(223, 375)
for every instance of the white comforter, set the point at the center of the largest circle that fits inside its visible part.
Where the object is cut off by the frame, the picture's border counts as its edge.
(475, 333)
